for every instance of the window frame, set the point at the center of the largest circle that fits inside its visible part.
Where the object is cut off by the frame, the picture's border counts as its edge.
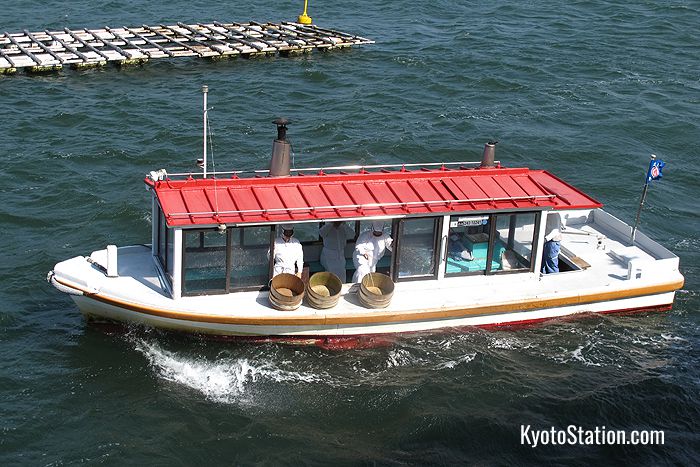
(270, 261)
(439, 258)
(183, 282)
(227, 251)
(164, 245)
(397, 235)
(489, 248)
(536, 235)
(492, 241)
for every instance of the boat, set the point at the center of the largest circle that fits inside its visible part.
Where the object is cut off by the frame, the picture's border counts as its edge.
(468, 241)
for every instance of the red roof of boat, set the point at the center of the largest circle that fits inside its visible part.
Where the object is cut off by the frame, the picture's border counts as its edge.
(303, 197)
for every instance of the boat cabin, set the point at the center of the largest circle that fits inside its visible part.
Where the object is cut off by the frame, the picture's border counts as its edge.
(215, 234)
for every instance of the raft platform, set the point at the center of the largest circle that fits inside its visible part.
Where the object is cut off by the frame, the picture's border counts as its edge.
(87, 48)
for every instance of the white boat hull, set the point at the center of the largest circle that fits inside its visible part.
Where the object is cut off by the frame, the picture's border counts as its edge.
(618, 277)
(101, 311)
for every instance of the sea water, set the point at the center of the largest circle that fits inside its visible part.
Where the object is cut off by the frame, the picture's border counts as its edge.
(586, 90)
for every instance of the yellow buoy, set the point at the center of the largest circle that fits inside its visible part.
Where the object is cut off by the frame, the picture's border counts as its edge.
(304, 18)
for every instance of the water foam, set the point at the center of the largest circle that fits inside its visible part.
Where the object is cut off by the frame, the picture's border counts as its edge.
(217, 381)
(453, 363)
(398, 358)
(235, 379)
(225, 380)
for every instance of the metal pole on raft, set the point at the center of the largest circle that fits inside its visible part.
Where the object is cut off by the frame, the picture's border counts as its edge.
(205, 90)
(654, 173)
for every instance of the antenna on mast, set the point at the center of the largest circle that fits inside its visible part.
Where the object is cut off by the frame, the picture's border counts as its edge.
(205, 90)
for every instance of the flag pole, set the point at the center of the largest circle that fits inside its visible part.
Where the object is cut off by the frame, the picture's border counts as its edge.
(205, 90)
(641, 201)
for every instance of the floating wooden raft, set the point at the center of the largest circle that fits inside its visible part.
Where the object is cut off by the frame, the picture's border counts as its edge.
(51, 50)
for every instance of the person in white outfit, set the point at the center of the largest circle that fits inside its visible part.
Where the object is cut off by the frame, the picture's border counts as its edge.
(369, 249)
(335, 235)
(288, 254)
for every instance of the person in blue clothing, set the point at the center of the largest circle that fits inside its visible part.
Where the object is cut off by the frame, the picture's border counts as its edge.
(552, 244)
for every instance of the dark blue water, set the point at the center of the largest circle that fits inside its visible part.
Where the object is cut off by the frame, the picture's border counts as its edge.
(584, 89)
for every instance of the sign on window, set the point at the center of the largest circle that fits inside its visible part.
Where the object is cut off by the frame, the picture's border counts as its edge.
(470, 221)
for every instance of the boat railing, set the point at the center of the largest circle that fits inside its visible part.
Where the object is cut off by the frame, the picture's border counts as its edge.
(341, 169)
(361, 207)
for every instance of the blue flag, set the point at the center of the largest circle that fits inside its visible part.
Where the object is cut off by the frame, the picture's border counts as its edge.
(655, 167)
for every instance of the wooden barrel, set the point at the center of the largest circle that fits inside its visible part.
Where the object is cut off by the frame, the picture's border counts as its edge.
(286, 292)
(323, 290)
(376, 290)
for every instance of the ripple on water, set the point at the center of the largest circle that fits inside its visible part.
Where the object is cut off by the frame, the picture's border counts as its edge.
(586, 90)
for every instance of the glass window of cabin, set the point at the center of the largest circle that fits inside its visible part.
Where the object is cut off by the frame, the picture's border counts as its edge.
(161, 243)
(249, 262)
(204, 262)
(169, 252)
(253, 236)
(306, 232)
(416, 247)
(354, 226)
(164, 244)
(515, 237)
(468, 245)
